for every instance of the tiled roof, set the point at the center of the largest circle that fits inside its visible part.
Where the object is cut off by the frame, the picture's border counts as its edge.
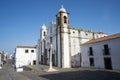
(25, 47)
(114, 36)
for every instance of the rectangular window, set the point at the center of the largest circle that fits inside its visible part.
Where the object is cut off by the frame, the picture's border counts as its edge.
(106, 49)
(26, 51)
(50, 39)
(90, 51)
(50, 29)
(91, 61)
(32, 51)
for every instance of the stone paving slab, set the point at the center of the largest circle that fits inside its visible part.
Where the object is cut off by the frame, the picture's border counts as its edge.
(72, 74)
(41, 67)
(8, 73)
(45, 67)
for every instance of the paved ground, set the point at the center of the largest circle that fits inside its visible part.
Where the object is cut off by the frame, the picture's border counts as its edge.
(39, 73)
(71, 74)
(7, 73)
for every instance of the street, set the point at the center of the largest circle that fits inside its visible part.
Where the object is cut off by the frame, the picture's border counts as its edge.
(8, 73)
(73, 74)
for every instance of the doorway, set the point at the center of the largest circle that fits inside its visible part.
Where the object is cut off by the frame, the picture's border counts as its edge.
(34, 62)
(107, 63)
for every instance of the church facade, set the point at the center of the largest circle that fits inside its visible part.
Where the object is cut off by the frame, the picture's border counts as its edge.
(66, 42)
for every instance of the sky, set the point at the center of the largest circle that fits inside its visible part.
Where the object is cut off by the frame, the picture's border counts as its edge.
(21, 20)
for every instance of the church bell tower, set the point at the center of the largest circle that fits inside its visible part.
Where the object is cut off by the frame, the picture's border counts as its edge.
(62, 20)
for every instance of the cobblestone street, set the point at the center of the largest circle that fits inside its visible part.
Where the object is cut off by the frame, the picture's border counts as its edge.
(72, 74)
(8, 73)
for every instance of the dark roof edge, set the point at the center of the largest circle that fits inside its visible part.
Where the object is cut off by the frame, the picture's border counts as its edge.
(25, 47)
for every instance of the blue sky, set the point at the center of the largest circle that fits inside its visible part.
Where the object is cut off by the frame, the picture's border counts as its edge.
(21, 20)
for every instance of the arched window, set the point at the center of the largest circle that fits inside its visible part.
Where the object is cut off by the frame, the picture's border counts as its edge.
(44, 33)
(58, 20)
(65, 19)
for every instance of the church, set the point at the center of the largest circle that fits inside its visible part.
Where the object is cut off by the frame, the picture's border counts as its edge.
(66, 42)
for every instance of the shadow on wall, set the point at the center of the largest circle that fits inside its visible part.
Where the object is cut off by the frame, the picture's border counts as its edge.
(75, 60)
(82, 75)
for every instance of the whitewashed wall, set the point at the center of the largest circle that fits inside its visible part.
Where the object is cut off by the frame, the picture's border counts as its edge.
(0, 60)
(22, 58)
(75, 48)
(115, 53)
(77, 38)
(114, 46)
(66, 49)
(38, 57)
(59, 61)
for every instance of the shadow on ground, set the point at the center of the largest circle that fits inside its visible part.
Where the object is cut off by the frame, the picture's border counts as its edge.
(82, 75)
(26, 68)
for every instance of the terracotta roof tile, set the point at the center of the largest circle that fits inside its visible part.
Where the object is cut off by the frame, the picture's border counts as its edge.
(25, 47)
(103, 39)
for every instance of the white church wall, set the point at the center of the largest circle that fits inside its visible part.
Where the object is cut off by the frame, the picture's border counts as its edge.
(38, 52)
(0, 61)
(59, 55)
(85, 36)
(66, 50)
(75, 48)
(77, 37)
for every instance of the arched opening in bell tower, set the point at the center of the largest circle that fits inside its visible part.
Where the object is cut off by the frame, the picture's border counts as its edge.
(44, 33)
(65, 19)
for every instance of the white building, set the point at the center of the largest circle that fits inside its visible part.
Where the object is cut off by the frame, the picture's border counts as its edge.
(0, 58)
(25, 55)
(66, 42)
(0, 62)
(102, 53)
